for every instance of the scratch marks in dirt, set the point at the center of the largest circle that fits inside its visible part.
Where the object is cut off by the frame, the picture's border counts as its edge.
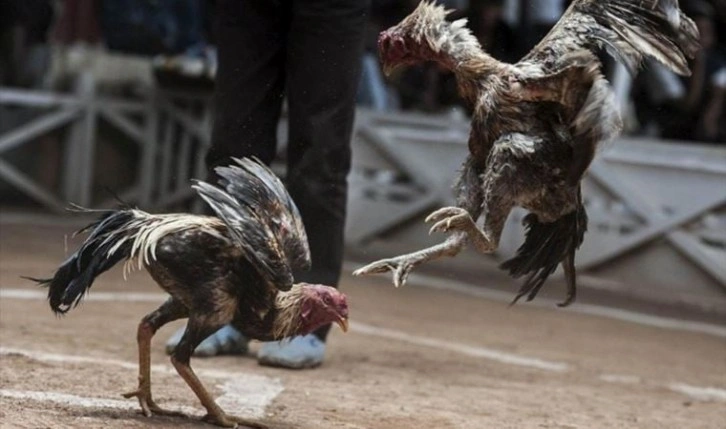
(83, 401)
(243, 394)
(473, 351)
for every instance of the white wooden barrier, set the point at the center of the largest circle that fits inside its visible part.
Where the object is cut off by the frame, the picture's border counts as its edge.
(657, 209)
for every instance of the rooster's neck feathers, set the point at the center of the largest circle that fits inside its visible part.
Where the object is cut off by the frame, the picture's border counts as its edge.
(455, 42)
(452, 43)
(288, 305)
(144, 231)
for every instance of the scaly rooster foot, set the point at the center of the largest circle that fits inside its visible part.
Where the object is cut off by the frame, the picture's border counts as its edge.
(228, 421)
(400, 266)
(569, 299)
(450, 218)
(148, 406)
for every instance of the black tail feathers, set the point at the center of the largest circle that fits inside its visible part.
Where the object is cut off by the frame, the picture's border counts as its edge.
(75, 276)
(545, 246)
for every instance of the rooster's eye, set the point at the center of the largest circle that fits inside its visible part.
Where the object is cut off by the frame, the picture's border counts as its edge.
(326, 299)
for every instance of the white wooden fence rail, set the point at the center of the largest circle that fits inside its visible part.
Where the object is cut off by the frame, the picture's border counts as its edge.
(657, 209)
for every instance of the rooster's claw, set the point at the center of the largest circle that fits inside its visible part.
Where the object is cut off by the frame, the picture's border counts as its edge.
(148, 406)
(400, 267)
(227, 421)
(449, 218)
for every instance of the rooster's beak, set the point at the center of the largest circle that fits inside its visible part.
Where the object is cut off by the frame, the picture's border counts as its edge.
(388, 69)
(343, 323)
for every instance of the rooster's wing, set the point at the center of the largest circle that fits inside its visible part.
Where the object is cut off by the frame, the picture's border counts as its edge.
(627, 29)
(262, 219)
(564, 66)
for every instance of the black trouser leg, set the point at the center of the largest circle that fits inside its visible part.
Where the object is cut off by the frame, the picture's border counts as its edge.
(251, 38)
(314, 47)
(324, 54)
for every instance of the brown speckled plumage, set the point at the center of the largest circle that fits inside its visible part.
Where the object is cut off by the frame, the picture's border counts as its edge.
(536, 124)
(235, 268)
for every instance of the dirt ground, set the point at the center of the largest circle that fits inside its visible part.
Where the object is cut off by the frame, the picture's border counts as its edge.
(416, 357)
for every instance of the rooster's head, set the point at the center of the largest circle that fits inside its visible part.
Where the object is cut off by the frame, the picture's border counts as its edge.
(307, 307)
(425, 35)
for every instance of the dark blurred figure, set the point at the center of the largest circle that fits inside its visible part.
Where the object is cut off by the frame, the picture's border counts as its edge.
(24, 53)
(79, 22)
(719, 7)
(704, 103)
(486, 20)
(427, 87)
(374, 88)
(530, 21)
(142, 27)
(25, 59)
(688, 108)
(177, 33)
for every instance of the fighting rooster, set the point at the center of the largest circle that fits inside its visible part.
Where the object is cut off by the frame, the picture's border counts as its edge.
(536, 124)
(234, 268)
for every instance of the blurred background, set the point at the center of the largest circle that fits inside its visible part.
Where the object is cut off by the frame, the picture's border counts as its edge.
(113, 97)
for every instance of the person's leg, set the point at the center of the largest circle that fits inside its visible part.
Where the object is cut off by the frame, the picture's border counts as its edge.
(323, 72)
(249, 86)
(324, 54)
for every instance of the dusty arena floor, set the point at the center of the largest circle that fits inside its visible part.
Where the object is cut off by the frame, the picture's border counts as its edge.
(418, 357)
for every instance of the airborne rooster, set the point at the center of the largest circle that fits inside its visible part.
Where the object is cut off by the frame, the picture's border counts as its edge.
(536, 124)
(235, 268)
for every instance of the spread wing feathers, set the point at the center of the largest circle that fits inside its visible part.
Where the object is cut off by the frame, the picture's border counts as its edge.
(256, 184)
(627, 29)
(262, 219)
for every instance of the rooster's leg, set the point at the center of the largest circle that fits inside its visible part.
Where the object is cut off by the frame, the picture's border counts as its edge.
(470, 198)
(169, 311)
(402, 265)
(197, 330)
(493, 199)
(496, 208)
(464, 229)
(458, 219)
(568, 265)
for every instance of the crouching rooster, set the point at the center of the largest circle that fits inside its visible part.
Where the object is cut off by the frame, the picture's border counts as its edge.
(235, 268)
(535, 126)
